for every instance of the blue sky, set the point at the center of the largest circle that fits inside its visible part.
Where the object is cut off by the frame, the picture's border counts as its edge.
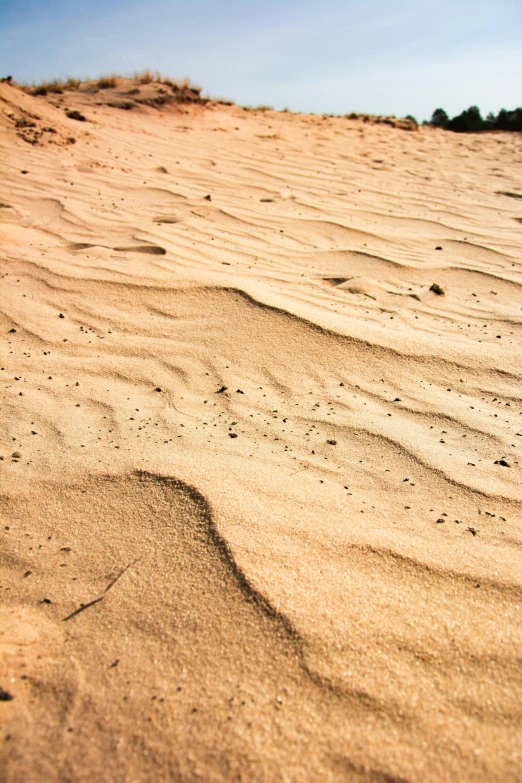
(378, 56)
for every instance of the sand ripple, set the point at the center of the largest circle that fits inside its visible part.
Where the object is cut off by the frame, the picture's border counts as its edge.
(308, 458)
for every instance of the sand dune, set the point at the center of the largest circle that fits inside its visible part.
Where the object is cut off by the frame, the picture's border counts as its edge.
(261, 482)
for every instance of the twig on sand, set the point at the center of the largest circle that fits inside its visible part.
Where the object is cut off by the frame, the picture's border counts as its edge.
(83, 607)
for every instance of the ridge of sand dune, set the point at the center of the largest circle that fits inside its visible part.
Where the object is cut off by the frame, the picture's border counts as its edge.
(238, 415)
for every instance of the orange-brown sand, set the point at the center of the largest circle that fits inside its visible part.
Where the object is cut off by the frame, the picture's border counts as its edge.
(261, 486)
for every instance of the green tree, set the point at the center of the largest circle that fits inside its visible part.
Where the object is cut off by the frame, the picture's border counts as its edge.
(470, 121)
(509, 120)
(489, 122)
(439, 119)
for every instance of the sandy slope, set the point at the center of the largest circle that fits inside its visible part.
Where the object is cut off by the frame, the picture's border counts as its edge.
(255, 405)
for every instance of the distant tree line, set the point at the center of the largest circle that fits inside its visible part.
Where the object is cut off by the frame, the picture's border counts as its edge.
(471, 120)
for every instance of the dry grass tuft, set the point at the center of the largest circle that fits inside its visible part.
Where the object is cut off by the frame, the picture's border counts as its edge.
(182, 87)
(106, 82)
(188, 85)
(55, 86)
(35, 89)
(72, 84)
(146, 76)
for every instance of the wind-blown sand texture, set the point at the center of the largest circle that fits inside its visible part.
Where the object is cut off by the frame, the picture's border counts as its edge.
(287, 468)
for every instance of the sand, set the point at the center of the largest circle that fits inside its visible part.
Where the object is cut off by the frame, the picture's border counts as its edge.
(261, 486)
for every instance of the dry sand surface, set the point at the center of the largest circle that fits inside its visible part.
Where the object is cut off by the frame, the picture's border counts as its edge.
(261, 486)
